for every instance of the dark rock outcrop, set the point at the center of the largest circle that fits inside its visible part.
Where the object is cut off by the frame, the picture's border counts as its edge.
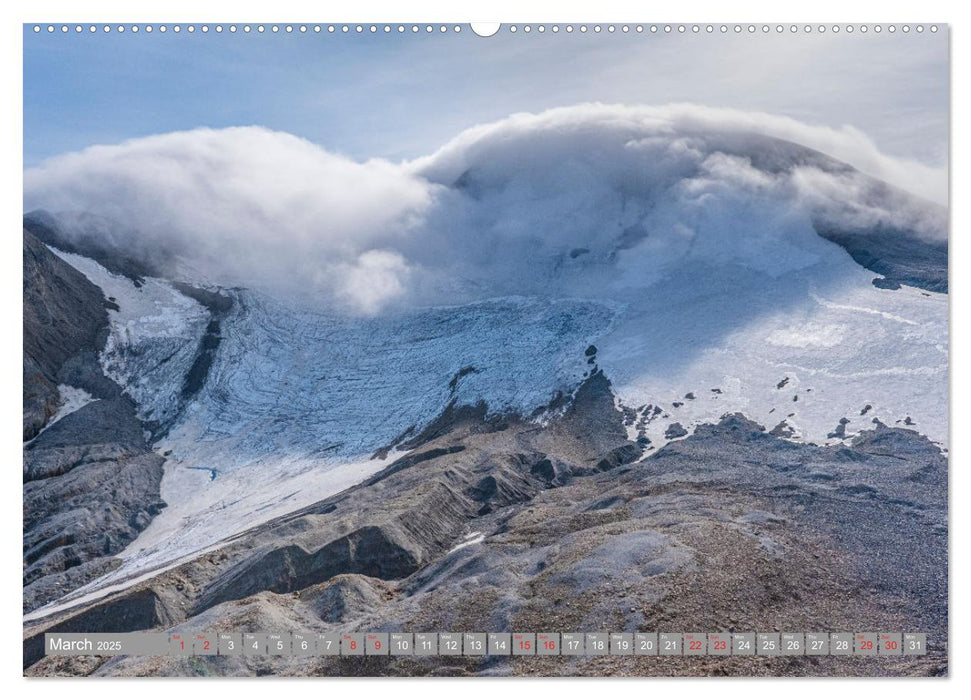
(91, 482)
(674, 431)
(884, 283)
(901, 256)
(219, 305)
(783, 430)
(840, 431)
(64, 315)
(618, 456)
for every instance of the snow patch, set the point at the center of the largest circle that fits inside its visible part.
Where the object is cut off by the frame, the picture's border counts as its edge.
(152, 340)
(71, 399)
(469, 540)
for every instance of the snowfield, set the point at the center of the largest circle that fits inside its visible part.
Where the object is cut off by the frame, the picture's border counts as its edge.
(847, 351)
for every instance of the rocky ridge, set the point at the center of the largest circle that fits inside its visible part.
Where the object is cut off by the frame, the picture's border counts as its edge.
(518, 525)
(91, 480)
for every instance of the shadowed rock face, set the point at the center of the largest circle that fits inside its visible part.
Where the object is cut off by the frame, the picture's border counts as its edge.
(64, 315)
(900, 256)
(101, 430)
(91, 482)
(386, 552)
(74, 522)
(218, 305)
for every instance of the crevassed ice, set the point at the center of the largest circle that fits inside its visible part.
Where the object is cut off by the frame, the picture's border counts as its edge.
(152, 340)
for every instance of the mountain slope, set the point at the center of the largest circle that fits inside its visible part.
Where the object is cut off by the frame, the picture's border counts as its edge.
(91, 480)
(64, 314)
(582, 308)
(482, 528)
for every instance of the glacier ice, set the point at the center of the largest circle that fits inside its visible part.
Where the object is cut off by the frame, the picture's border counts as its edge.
(689, 259)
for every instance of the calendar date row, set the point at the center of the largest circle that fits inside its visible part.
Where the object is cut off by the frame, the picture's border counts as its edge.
(488, 644)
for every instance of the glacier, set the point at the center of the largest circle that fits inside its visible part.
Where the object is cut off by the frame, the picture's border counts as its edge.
(298, 400)
(691, 261)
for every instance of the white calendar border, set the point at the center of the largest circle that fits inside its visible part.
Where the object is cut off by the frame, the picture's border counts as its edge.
(925, 11)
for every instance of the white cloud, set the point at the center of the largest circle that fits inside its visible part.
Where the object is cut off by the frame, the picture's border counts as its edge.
(847, 144)
(572, 199)
(243, 205)
(374, 279)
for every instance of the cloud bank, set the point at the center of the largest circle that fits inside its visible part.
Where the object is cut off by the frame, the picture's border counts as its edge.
(847, 144)
(244, 206)
(571, 199)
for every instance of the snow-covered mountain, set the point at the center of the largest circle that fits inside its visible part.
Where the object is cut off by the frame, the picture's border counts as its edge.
(705, 271)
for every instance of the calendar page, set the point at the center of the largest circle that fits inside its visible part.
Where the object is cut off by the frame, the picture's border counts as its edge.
(547, 349)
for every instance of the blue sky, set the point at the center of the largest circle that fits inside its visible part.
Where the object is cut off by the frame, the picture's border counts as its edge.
(401, 96)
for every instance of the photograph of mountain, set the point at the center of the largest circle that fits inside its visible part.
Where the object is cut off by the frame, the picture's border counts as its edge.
(586, 329)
